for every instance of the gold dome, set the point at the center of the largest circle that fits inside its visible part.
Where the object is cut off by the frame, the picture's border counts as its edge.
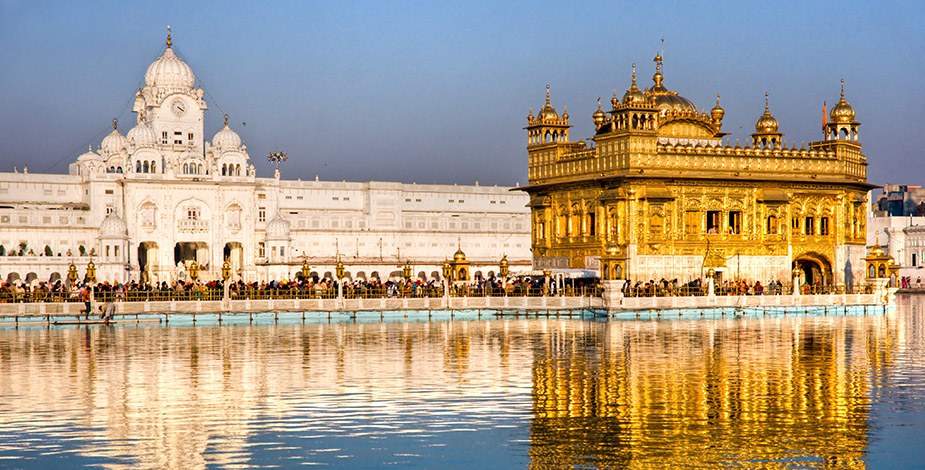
(767, 123)
(665, 99)
(717, 112)
(459, 255)
(842, 112)
(598, 116)
(548, 113)
(634, 96)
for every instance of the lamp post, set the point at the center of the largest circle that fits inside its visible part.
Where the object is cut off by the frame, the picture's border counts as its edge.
(194, 271)
(711, 278)
(407, 270)
(547, 274)
(503, 267)
(91, 278)
(226, 273)
(72, 273)
(339, 271)
(306, 269)
(447, 273)
(796, 279)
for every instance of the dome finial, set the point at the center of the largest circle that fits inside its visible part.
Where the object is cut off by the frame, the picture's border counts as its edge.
(717, 99)
(634, 74)
(547, 94)
(766, 109)
(599, 100)
(843, 88)
(226, 120)
(169, 42)
(115, 123)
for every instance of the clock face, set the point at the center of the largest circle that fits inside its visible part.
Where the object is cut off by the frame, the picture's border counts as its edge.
(178, 107)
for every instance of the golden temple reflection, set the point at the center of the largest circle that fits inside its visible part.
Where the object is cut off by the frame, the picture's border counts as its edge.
(618, 394)
(682, 394)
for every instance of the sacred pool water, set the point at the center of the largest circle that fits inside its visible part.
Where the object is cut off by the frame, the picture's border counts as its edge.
(766, 391)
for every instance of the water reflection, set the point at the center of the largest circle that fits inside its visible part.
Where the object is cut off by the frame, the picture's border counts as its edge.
(709, 393)
(545, 393)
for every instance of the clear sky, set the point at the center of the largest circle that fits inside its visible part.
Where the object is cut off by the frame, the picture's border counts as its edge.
(432, 91)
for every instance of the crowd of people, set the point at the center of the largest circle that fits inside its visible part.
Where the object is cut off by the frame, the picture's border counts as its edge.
(62, 291)
(664, 287)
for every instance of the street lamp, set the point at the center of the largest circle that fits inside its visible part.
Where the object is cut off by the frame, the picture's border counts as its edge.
(306, 270)
(72, 273)
(91, 272)
(339, 271)
(503, 268)
(194, 271)
(226, 273)
(447, 273)
(407, 270)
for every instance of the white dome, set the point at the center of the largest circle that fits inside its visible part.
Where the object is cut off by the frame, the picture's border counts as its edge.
(278, 228)
(141, 136)
(113, 226)
(89, 155)
(226, 139)
(115, 142)
(170, 72)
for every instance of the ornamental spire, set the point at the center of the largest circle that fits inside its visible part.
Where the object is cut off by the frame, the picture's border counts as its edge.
(169, 42)
(226, 120)
(547, 94)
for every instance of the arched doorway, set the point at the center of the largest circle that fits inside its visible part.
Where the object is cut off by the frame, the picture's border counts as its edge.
(815, 269)
(147, 261)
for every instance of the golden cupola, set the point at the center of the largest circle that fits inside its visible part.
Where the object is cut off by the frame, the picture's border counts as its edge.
(767, 123)
(766, 129)
(842, 124)
(717, 113)
(548, 113)
(599, 116)
(634, 96)
(842, 112)
(665, 99)
(547, 127)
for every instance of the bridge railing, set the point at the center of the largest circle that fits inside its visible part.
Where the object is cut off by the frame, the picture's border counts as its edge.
(688, 291)
(212, 294)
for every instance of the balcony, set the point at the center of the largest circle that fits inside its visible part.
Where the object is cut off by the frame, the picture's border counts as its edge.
(192, 226)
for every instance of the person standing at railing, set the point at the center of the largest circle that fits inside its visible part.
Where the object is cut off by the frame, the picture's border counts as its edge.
(85, 298)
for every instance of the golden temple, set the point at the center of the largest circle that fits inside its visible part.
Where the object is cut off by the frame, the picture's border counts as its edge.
(656, 193)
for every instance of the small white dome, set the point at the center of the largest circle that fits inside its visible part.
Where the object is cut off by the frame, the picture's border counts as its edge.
(278, 228)
(141, 136)
(89, 155)
(226, 139)
(170, 72)
(114, 142)
(113, 226)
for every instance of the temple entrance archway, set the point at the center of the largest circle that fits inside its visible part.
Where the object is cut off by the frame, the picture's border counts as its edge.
(147, 260)
(815, 269)
(194, 252)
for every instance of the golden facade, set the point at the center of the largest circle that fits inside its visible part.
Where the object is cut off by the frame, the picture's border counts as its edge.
(656, 193)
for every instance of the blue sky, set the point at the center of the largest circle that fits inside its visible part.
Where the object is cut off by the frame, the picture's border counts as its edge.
(439, 91)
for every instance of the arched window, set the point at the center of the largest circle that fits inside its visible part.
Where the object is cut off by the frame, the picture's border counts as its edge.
(224, 169)
(881, 271)
(872, 272)
(153, 169)
(145, 168)
(237, 170)
(185, 168)
(137, 167)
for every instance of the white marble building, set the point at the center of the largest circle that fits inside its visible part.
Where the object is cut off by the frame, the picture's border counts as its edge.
(155, 199)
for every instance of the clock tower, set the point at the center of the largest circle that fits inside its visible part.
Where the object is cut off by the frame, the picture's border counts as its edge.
(173, 109)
